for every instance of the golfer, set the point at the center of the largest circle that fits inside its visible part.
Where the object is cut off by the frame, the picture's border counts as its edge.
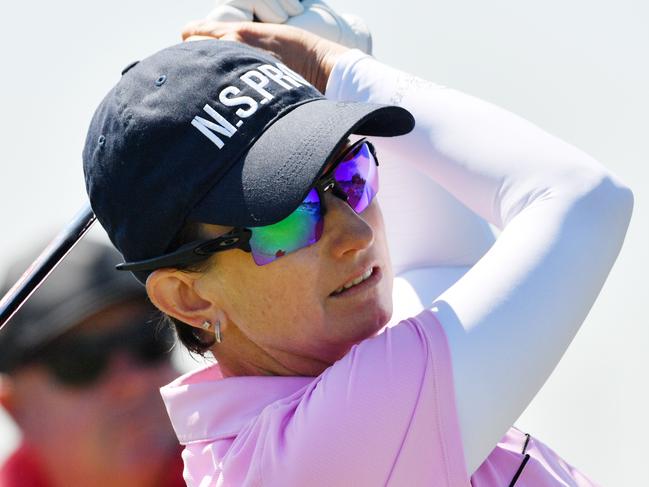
(245, 201)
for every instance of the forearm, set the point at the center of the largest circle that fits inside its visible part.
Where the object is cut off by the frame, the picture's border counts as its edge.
(494, 161)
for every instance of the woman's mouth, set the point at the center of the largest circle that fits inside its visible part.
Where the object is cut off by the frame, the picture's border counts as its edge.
(362, 281)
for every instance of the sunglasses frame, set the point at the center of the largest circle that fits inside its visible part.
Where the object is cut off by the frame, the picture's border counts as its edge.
(239, 237)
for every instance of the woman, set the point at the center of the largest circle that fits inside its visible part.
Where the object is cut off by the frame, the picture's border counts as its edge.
(234, 192)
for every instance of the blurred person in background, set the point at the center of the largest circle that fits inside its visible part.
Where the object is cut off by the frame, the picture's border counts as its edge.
(80, 368)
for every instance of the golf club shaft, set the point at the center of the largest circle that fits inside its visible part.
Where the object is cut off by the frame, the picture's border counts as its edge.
(46, 262)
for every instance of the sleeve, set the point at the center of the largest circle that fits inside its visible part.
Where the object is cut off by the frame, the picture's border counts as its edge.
(382, 415)
(563, 218)
(466, 236)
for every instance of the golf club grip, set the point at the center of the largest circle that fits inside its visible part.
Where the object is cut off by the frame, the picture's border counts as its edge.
(46, 262)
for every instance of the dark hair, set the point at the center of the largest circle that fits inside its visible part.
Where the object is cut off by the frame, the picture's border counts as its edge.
(195, 339)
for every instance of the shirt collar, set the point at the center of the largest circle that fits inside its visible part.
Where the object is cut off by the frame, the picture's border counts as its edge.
(203, 405)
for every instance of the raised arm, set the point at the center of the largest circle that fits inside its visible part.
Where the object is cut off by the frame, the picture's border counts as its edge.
(563, 218)
(405, 195)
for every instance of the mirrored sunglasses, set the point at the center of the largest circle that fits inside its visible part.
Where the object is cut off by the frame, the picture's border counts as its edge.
(353, 179)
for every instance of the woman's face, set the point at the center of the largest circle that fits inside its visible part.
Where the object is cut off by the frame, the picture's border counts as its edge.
(288, 317)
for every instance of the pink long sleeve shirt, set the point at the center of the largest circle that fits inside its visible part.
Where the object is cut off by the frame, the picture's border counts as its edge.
(425, 402)
(383, 415)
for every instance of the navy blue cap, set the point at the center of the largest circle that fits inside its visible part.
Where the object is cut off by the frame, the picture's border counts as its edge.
(215, 132)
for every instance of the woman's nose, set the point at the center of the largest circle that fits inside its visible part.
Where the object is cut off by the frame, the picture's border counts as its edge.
(345, 230)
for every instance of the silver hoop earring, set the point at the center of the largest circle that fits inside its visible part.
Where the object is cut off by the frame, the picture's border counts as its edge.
(217, 332)
(206, 325)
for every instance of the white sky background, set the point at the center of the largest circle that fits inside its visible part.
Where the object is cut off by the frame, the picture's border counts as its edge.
(576, 68)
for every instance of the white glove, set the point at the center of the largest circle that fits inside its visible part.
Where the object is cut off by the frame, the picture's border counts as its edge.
(270, 11)
(312, 15)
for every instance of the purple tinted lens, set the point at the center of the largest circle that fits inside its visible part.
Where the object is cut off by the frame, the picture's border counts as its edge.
(301, 228)
(357, 175)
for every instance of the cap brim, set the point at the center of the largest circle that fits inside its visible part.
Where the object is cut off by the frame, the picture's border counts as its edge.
(276, 173)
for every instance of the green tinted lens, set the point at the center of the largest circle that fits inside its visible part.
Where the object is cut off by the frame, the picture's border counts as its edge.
(301, 228)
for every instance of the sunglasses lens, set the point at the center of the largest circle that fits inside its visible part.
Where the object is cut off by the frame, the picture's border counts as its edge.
(301, 228)
(358, 176)
(77, 368)
(81, 360)
(152, 347)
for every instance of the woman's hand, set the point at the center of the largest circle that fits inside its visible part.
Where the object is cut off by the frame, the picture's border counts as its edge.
(311, 56)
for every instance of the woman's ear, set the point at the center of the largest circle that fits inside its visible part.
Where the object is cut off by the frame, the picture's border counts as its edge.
(173, 292)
